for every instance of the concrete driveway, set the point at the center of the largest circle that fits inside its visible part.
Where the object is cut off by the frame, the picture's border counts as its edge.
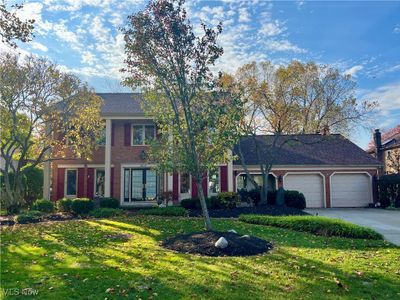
(385, 222)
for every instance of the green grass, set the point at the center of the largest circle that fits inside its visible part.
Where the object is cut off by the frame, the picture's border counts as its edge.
(164, 211)
(317, 225)
(82, 259)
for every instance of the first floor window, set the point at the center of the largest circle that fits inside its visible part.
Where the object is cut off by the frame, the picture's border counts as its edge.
(99, 182)
(71, 183)
(213, 182)
(244, 183)
(185, 183)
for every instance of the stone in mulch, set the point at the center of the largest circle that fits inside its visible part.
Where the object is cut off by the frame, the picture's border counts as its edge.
(203, 243)
(270, 210)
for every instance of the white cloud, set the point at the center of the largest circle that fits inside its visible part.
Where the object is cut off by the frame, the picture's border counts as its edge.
(88, 57)
(99, 31)
(39, 46)
(388, 97)
(244, 15)
(63, 33)
(282, 46)
(353, 70)
(396, 29)
(34, 11)
(271, 29)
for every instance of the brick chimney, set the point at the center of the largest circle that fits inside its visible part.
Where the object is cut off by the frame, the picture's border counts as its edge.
(379, 153)
(325, 130)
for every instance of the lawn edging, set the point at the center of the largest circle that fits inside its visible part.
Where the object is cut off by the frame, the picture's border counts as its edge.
(315, 224)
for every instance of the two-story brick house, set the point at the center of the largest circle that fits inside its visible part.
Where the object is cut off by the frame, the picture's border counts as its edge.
(330, 172)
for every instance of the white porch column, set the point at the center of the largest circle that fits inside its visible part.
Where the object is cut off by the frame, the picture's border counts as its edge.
(230, 173)
(107, 161)
(46, 180)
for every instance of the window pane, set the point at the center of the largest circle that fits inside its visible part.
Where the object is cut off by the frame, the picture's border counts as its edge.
(185, 183)
(241, 182)
(137, 184)
(137, 135)
(126, 185)
(213, 182)
(71, 182)
(149, 133)
(151, 184)
(100, 175)
(102, 139)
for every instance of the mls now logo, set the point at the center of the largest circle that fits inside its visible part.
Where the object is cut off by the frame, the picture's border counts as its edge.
(20, 292)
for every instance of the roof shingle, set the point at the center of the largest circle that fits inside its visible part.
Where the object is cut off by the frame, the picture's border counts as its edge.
(121, 104)
(307, 149)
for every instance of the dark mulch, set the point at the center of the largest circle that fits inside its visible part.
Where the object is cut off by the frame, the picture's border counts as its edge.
(270, 210)
(203, 243)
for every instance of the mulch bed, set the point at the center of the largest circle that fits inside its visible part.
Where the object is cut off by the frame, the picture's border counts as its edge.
(257, 210)
(9, 220)
(203, 243)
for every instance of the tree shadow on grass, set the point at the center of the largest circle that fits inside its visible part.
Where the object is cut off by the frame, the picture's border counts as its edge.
(142, 267)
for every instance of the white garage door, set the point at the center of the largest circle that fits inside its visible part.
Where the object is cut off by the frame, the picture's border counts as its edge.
(311, 185)
(350, 190)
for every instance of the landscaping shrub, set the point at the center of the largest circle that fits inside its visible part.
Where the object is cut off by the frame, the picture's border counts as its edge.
(164, 211)
(228, 199)
(190, 203)
(295, 199)
(389, 190)
(81, 206)
(105, 212)
(32, 216)
(316, 225)
(43, 205)
(64, 205)
(33, 185)
(109, 203)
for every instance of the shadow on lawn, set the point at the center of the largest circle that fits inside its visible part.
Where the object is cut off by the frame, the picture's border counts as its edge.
(142, 267)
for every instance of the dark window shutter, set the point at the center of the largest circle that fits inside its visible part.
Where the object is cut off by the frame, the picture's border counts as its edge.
(60, 183)
(81, 182)
(223, 173)
(90, 183)
(127, 134)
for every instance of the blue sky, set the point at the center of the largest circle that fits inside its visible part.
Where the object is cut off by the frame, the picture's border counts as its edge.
(359, 38)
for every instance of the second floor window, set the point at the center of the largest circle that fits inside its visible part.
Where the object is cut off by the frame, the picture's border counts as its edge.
(102, 139)
(142, 134)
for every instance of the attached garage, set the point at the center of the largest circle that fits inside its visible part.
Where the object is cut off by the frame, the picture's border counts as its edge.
(311, 185)
(351, 190)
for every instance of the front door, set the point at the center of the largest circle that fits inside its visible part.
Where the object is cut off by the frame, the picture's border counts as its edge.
(140, 185)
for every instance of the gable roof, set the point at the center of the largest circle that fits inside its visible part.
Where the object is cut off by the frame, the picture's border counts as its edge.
(304, 149)
(390, 140)
(121, 104)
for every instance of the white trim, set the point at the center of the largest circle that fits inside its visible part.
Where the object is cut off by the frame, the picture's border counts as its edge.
(107, 160)
(126, 118)
(65, 183)
(139, 166)
(230, 172)
(258, 173)
(82, 166)
(144, 133)
(306, 168)
(370, 182)
(308, 173)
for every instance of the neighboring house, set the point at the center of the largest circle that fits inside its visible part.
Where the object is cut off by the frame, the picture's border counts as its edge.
(384, 147)
(330, 170)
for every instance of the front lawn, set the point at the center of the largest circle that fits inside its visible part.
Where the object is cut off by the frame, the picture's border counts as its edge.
(110, 258)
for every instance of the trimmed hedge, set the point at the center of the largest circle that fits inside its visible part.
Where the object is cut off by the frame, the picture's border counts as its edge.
(81, 206)
(222, 200)
(64, 205)
(43, 205)
(389, 190)
(109, 203)
(317, 225)
(105, 212)
(228, 199)
(292, 198)
(164, 211)
(32, 216)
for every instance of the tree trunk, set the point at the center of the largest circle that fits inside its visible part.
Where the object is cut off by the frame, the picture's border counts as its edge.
(203, 203)
(264, 190)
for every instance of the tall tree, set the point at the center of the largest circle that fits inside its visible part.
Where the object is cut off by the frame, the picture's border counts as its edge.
(195, 115)
(295, 99)
(42, 108)
(12, 27)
